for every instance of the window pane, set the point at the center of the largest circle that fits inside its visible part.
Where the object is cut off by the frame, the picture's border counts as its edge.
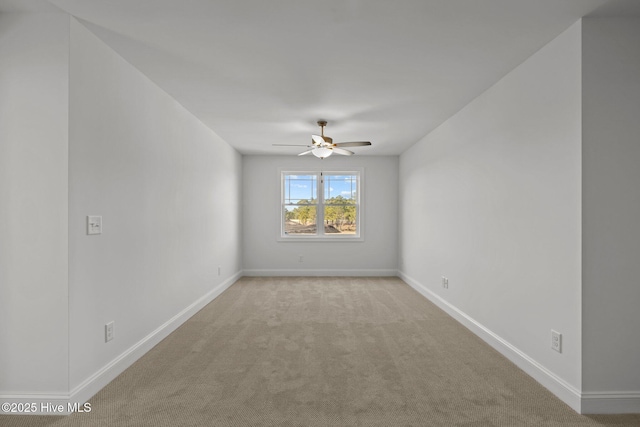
(340, 219)
(300, 189)
(340, 204)
(300, 219)
(338, 187)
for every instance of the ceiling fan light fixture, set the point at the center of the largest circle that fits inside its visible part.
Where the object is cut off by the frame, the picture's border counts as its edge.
(321, 152)
(322, 146)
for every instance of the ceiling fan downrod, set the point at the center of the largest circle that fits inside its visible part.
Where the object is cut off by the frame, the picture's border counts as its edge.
(322, 124)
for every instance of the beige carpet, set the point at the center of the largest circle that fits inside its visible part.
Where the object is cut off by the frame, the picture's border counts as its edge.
(323, 352)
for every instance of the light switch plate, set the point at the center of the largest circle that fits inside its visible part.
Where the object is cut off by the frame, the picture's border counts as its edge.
(94, 224)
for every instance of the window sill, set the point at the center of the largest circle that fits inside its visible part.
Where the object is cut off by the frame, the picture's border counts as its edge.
(305, 239)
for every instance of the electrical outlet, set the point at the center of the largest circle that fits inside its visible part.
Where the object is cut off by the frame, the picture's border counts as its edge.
(300, 258)
(445, 282)
(556, 341)
(108, 332)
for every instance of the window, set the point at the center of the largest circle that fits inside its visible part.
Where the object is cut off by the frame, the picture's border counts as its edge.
(312, 199)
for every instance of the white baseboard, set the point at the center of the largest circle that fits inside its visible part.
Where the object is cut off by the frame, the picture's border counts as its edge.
(322, 272)
(50, 404)
(93, 384)
(611, 403)
(581, 402)
(564, 391)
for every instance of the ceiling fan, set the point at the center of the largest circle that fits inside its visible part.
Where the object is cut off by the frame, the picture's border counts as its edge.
(323, 146)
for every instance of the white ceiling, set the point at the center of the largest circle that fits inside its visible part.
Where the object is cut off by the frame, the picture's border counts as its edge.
(262, 72)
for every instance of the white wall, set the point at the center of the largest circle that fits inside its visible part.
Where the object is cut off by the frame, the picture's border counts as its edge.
(169, 193)
(492, 200)
(265, 255)
(611, 206)
(33, 203)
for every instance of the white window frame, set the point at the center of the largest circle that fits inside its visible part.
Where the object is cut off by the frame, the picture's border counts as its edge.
(320, 236)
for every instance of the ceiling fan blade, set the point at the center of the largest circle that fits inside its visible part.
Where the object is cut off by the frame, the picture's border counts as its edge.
(305, 152)
(291, 145)
(342, 151)
(317, 139)
(352, 144)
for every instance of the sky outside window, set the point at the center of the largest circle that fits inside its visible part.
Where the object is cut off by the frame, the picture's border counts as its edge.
(300, 187)
(340, 185)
